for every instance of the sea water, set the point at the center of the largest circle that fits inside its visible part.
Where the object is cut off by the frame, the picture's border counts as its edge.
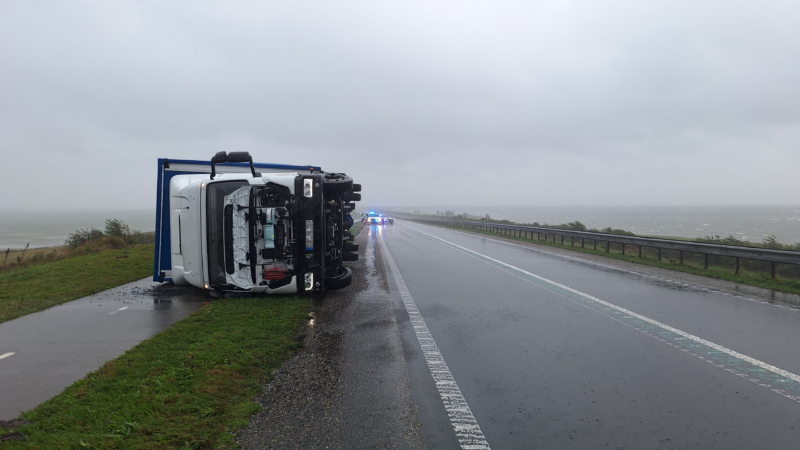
(751, 223)
(47, 228)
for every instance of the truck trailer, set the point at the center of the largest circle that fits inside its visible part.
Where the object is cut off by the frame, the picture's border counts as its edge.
(232, 226)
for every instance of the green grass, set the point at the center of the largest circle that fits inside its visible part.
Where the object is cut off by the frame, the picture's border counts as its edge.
(356, 228)
(753, 278)
(28, 289)
(190, 386)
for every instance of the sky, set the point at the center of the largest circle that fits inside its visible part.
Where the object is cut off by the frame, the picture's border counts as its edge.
(425, 103)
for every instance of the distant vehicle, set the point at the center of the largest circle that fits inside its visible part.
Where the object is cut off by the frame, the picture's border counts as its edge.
(374, 218)
(224, 227)
(389, 220)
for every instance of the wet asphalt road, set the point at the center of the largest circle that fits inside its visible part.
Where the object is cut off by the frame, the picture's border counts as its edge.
(541, 367)
(56, 347)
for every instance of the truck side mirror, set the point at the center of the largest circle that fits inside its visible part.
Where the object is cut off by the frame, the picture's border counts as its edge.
(219, 158)
(243, 157)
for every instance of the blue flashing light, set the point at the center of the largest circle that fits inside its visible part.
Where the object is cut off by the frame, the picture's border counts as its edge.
(372, 212)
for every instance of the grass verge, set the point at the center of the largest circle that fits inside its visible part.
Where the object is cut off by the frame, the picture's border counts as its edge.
(356, 228)
(744, 277)
(28, 289)
(191, 386)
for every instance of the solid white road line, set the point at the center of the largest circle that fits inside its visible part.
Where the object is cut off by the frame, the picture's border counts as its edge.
(467, 430)
(773, 378)
(123, 308)
(6, 355)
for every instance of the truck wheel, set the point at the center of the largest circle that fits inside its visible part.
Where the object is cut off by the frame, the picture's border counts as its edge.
(336, 183)
(349, 256)
(348, 247)
(341, 280)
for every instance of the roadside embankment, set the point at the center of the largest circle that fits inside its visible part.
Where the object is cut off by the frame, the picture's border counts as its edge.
(30, 288)
(190, 386)
(719, 267)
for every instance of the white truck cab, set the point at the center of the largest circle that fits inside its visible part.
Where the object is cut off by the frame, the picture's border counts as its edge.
(278, 232)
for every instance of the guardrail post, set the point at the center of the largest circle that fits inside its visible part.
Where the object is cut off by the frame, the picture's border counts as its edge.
(640, 251)
(608, 246)
(572, 241)
(595, 244)
(562, 239)
(737, 266)
(705, 261)
(623, 249)
(773, 269)
(582, 242)
(681, 252)
(659, 253)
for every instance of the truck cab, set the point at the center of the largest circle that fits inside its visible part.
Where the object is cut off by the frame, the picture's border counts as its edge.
(281, 231)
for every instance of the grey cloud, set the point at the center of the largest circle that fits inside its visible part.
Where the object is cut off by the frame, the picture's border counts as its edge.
(421, 101)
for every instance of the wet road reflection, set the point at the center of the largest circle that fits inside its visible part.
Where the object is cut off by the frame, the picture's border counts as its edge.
(52, 349)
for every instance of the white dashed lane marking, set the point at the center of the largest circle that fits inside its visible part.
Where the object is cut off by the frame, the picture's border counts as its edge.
(467, 430)
(6, 355)
(121, 309)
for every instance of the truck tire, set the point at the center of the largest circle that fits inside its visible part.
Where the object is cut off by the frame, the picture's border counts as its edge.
(356, 187)
(349, 256)
(336, 183)
(341, 280)
(348, 247)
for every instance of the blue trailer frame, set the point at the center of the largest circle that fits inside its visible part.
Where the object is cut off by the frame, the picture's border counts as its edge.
(168, 168)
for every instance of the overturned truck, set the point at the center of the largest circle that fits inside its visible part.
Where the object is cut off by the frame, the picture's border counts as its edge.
(234, 226)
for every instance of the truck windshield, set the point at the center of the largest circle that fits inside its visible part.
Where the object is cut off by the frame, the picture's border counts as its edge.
(215, 195)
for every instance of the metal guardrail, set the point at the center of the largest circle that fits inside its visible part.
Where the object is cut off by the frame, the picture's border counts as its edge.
(738, 252)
